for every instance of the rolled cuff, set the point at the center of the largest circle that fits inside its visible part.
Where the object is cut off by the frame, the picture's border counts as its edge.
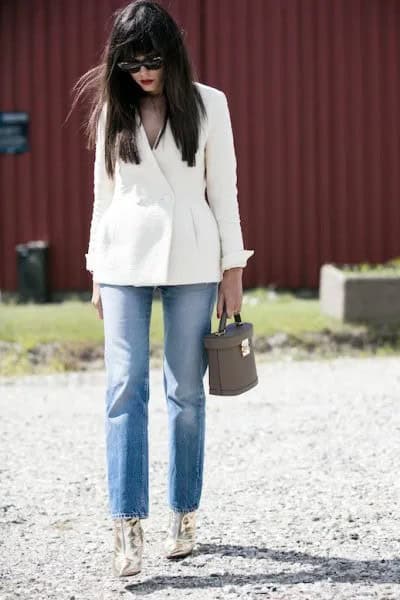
(236, 259)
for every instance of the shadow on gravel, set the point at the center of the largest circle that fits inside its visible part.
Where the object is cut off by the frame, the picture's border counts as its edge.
(337, 570)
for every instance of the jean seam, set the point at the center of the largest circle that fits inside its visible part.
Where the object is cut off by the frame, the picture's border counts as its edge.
(145, 464)
(200, 446)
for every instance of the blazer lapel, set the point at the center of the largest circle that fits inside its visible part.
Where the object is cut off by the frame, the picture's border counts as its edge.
(151, 154)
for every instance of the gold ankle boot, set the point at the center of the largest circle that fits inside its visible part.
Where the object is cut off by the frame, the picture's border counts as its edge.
(181, 534)
(128, 546)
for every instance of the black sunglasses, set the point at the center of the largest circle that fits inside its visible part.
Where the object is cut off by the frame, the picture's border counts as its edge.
(152, 64)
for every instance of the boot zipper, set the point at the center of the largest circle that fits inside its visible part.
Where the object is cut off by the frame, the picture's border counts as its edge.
(123, 536)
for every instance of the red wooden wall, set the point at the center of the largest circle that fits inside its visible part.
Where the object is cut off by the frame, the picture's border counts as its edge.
(314, 91)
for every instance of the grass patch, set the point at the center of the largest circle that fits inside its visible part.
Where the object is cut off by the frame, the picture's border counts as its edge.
(391, 268)
(77, 321)
(70, 321)
(272, 312)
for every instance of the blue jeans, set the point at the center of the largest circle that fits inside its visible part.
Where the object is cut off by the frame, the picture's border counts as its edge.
(187, 313)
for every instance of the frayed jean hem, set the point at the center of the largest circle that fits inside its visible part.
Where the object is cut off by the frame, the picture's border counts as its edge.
(184, 510)
(129, 515)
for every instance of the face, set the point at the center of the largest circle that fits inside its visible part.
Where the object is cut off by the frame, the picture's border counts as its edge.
(150, 80)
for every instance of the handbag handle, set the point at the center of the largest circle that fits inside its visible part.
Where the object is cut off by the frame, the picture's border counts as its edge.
(222, 321)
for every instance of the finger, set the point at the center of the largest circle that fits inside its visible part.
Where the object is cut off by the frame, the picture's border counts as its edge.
(220, 305)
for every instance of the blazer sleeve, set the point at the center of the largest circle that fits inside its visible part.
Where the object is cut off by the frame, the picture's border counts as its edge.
(103, 189)
(221, 184)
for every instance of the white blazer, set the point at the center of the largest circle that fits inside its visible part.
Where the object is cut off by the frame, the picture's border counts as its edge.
(151, 223)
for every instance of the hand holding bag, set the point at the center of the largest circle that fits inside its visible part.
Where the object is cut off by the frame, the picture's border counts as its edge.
(231, 360)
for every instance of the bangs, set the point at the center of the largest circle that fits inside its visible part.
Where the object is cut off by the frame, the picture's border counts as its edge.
(139, 43)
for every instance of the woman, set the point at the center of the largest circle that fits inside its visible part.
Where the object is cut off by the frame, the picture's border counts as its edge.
(163, 141)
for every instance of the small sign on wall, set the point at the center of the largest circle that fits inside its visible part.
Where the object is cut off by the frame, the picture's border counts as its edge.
(14, 132)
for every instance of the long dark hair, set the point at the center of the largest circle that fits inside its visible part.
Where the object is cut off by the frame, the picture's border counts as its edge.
(143, 26)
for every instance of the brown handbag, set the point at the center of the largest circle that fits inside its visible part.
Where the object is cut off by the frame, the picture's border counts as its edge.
(231, 361)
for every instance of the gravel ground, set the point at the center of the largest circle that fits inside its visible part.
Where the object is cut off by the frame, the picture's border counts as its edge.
(300, 496)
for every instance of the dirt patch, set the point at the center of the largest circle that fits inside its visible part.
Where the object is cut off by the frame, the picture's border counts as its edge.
(84, 356)
(55, 357)
(327, 343)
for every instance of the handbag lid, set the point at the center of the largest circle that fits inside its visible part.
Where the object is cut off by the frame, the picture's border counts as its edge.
(233, 334)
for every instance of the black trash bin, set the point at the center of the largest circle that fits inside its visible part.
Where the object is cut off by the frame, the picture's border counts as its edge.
(32, 270)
